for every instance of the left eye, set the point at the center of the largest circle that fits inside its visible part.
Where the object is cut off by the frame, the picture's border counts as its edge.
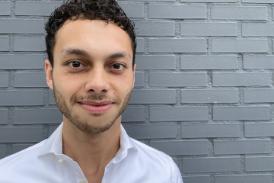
(75, 64)
(118, 66)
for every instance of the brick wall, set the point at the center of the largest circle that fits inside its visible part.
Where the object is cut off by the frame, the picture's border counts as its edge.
(204, 91)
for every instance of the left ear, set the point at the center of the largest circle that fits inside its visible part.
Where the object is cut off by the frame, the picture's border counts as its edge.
(48, 71)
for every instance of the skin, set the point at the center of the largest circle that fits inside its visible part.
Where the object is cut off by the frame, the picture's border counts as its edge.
(92, 79)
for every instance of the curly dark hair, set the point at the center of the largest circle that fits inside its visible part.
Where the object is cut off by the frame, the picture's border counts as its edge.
(106, 10)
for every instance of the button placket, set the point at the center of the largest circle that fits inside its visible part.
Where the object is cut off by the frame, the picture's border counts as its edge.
(83, 181)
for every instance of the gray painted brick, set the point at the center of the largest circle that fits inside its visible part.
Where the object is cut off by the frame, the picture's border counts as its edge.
(197, 179)
(134, 113)
(153, 96)
(247, 146)
(37, 116)
(9, 26)
(258, 29)
(23, 134)
(212, 164)
(242, 79)
(39, 8)
(242, 113)
(258, 62)
(19, 147)
(209, 29)
(239, 13)
(30, 79)
(262, 129)
(4, 43)
(178, 79)
(240, 45)
(29, 43)
(177, 11)
(139, 79)
(191, 62)
(259, 163)
(168, 113)
(210, 1)
(155, 28)
(258, 95)
(183, 147)
(177, 45)
(210, 95)
(211, 130)
(248, 178)
(141, 131)
(51, 97)
(4, 113)
(21, 97)
(21, 61)
(5, 8)
(256, 1)
(152, 0)
(3, 150)
(153, 62)
(4, 81)
(140, 45)
(133, 9)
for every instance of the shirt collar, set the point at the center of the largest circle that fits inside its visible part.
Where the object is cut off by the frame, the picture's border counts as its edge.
(126, 145)
(53, 145)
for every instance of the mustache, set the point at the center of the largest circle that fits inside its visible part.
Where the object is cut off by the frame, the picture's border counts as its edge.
(91, 97)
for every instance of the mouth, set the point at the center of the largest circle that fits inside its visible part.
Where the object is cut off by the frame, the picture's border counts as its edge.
(96, 107)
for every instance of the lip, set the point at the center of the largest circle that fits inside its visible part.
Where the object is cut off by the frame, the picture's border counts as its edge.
(96, 107)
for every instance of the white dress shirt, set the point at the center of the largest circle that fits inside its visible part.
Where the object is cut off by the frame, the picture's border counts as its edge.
(44, 162)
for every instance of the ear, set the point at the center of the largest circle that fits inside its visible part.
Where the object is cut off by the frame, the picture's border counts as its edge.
(48, 71)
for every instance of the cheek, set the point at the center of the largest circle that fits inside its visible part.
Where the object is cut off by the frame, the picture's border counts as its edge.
(66, 87)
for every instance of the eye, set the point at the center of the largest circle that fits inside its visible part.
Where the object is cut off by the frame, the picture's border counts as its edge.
(118, 67)
(75, 65)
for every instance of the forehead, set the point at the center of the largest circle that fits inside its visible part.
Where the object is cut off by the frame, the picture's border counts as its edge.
(96, 36)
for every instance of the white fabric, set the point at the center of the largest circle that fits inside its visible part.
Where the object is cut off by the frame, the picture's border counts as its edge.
(44, 162)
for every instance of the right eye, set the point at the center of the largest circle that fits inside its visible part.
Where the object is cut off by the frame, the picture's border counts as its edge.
(75, 65)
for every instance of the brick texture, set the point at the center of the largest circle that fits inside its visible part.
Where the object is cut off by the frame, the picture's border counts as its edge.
(204, 89)
(5, 8)
(212, 164)
(36, 8)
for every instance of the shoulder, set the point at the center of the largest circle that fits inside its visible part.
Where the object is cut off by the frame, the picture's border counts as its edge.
(157, 161)
(14, 160)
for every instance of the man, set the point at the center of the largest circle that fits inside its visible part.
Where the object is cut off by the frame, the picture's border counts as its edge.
(90, 68)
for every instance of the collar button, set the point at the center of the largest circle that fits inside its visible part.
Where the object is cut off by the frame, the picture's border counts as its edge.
(83, 181)
(61, 160)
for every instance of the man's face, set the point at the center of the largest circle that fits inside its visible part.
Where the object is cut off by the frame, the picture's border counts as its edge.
(93, 75)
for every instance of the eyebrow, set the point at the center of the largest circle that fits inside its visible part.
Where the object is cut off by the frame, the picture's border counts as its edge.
(81, 52)
(74, 51)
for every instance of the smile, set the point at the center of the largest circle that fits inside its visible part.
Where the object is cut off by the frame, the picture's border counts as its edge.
(96, 107)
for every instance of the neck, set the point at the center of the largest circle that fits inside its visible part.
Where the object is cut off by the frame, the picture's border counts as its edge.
(92, 151)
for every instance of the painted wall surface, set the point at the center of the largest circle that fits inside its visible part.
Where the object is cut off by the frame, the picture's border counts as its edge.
(204, 84)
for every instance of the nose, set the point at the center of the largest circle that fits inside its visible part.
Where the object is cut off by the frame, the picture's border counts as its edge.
(97, 81)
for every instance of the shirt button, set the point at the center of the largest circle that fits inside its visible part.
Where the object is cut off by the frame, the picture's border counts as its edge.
(83, 181)
(61, 160)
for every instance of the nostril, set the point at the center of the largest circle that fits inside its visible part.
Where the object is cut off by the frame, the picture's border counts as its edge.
(98, 91)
